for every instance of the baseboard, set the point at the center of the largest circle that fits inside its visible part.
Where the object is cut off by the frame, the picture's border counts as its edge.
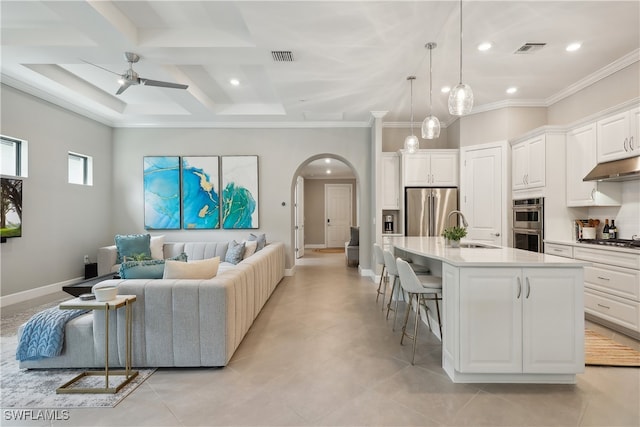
(23, 296)
(290, 271)
(315, 246)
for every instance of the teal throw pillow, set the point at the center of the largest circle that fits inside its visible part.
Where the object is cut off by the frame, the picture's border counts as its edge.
(261, 238)
(234, 252)
(133, 246)
(148, 269)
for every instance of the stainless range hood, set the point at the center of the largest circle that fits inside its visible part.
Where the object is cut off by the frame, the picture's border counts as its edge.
(617, 170)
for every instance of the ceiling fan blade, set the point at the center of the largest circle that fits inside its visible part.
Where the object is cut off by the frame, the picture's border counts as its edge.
(123, 87)
(98, 66)
(148, 82)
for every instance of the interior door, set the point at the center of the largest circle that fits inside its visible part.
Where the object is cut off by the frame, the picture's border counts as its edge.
(299, 208)
(483, 201)
(338, 214)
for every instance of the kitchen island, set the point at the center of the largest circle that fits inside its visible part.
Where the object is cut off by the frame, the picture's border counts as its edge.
(510, 316)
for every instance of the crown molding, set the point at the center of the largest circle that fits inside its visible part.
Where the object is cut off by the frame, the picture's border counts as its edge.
(245, 125)
(617, 65)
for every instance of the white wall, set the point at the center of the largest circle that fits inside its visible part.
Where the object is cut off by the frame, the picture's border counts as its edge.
(61, 221)
(281, 152)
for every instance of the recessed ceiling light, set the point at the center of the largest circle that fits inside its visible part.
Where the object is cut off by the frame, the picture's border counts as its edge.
(445, 89)
(328, 171)
(234, 82)
(327, 160)
(484, 46)
(573, 47)
(512, 90)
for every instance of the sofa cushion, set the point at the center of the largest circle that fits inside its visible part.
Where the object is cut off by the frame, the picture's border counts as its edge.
(133, 246)
(156, 246)
(235, 252)
(147, 269)
(260, 238)
(249, 248)
(199, 269)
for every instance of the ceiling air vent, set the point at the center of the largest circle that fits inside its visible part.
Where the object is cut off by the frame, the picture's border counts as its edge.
(529, 48)
(282, 55)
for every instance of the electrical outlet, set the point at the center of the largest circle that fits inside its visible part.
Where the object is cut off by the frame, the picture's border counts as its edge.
(86, 259)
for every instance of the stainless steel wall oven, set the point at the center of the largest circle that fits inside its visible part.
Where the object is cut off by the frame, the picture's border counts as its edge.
(528, 224)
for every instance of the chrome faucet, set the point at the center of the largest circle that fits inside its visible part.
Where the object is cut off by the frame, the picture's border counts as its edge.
(464, 220)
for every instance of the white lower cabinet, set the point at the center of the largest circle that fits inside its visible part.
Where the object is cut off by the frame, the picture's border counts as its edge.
(519, 320)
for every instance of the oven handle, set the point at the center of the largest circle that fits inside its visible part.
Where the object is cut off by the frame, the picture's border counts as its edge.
(529, 208)
(527, 231)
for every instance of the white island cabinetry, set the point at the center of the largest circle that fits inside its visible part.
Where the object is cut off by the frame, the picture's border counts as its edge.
(510, 316)
(531, 314)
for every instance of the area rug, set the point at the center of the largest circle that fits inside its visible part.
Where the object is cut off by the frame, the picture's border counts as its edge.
(602, 351)
(330, 250)
(36, 388)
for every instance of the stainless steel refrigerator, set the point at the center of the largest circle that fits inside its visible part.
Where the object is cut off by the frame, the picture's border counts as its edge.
(426, 210)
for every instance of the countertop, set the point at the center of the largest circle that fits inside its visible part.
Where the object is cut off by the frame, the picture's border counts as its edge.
(592, 246)
(435, 248)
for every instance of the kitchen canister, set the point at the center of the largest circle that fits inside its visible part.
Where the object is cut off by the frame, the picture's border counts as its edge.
(588, 232)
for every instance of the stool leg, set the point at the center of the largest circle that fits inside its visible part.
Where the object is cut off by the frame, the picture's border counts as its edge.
(380, 284)
(406, 319)
(415, 328)
(438, 311)
(393, 290)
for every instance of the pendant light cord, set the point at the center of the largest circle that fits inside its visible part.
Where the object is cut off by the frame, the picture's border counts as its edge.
(430, 80)
(460, 41)
(411, 124)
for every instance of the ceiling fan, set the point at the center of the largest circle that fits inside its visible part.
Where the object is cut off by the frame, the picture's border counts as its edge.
(131, 78)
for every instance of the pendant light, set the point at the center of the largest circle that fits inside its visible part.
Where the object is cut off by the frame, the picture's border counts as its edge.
(461, 96)
(430, 125)
(411, 143)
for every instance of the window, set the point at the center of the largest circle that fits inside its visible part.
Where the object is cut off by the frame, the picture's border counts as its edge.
(13, 156)
(80, 169)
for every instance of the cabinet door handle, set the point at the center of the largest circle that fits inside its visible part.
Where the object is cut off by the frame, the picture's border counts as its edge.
(528, 288)
(603, 278)
(593, 192)
(519, 288)
(497, 234)
(631, 144)
(604, 306)
(624, 144)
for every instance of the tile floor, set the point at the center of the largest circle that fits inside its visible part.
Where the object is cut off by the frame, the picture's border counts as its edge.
(322, 353)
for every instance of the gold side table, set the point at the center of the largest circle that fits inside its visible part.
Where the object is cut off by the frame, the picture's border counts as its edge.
(119, 301)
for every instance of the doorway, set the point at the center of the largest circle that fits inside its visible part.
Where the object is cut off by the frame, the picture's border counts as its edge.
(309, 206)
(483, 197)
(338, 214)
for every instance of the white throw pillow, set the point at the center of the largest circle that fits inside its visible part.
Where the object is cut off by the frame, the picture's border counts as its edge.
(249, 248)
(199, 269)
(157, 247)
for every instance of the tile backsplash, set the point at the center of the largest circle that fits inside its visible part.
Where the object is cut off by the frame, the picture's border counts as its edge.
(627, 216)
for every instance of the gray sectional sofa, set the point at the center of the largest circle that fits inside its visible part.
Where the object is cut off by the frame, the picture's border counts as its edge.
(176, 322)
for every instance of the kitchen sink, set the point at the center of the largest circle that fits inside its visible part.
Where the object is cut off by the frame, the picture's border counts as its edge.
(477, 246)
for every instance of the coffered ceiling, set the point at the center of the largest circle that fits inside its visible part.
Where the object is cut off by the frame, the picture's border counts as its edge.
(348, 57)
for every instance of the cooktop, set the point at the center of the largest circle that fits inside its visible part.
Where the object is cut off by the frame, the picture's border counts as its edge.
(621, 243)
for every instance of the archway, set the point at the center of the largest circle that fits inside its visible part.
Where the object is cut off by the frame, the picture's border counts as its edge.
(300, 172)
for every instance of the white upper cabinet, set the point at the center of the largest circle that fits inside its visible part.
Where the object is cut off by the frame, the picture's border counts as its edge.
(390, 181)
(617, 136)
(581, 158)
(430, 168)
(528, 164)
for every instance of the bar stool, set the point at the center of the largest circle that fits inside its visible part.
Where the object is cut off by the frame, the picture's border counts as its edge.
(418, 287)
(392, 274)
(377, 251)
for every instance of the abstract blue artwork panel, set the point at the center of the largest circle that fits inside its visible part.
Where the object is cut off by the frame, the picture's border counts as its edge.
(162, 192)
(240, 192)
(200, 192)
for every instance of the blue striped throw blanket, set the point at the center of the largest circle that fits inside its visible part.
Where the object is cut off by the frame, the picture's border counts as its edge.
(43, 334)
